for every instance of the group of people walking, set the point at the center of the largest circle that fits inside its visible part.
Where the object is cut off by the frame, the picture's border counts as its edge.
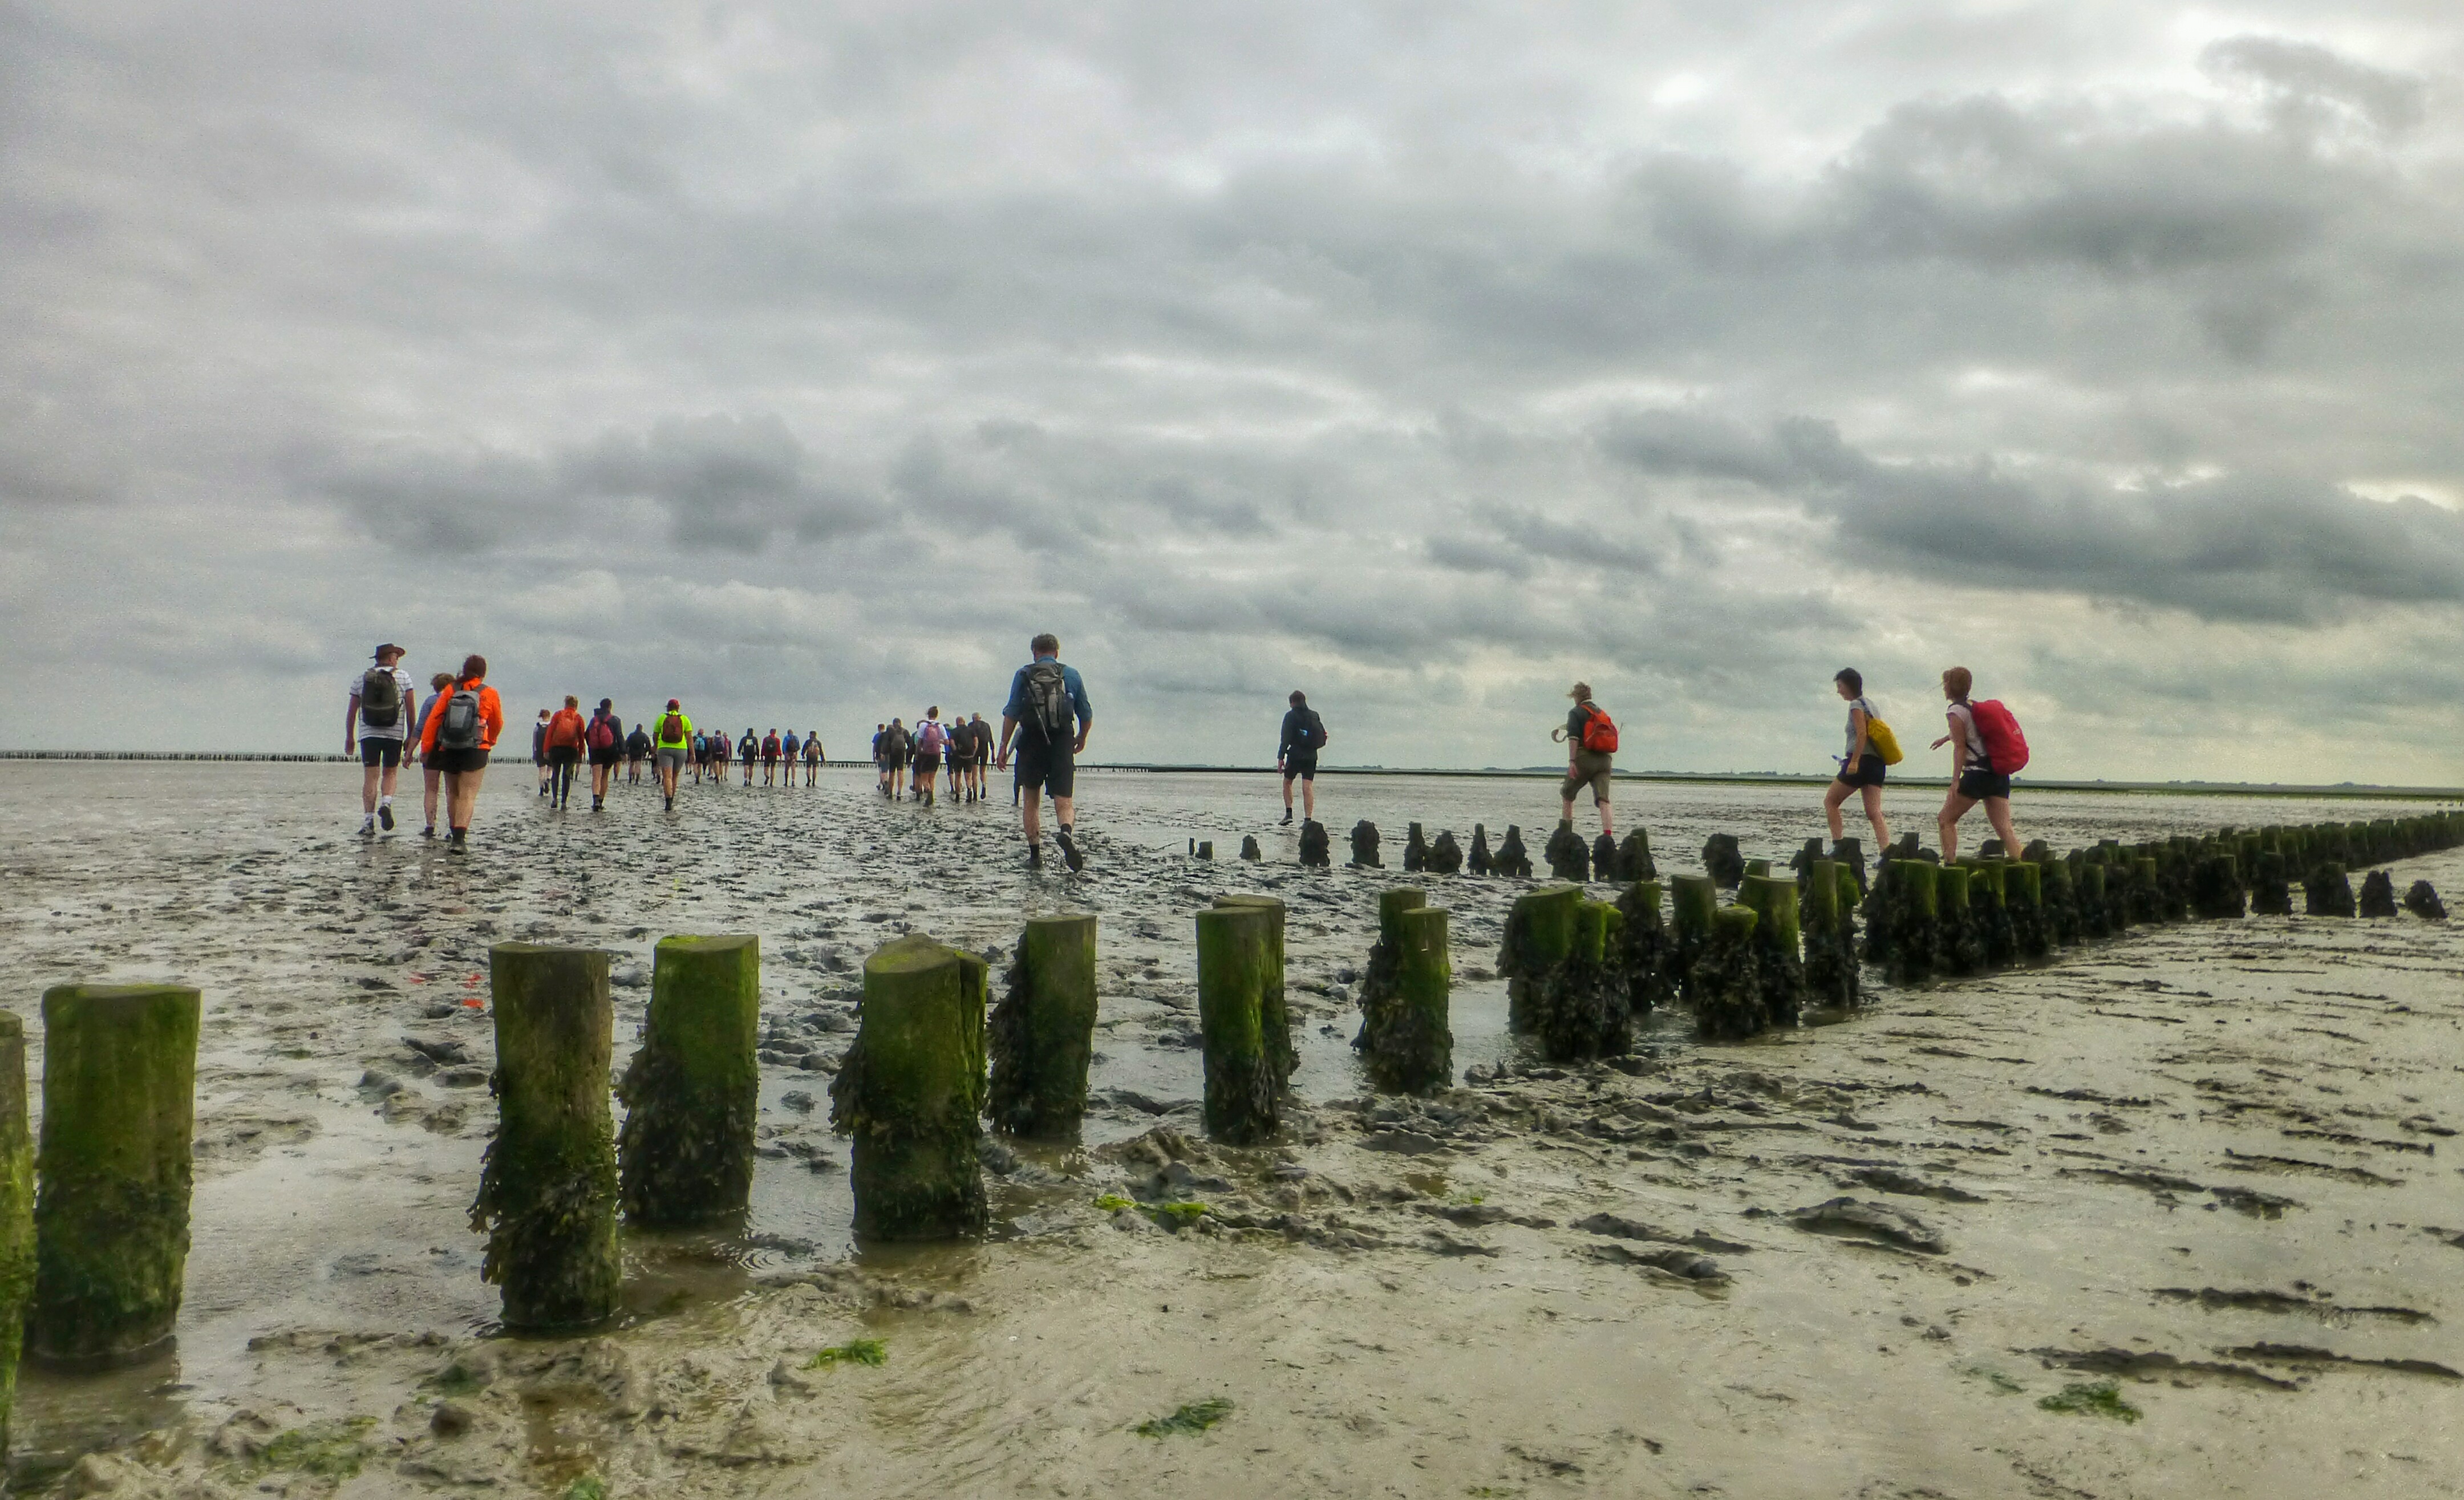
(911, 760)
(1044, 724)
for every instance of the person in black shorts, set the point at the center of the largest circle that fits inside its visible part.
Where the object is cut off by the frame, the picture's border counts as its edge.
(603, 740)
(893, 758)
(1296, 755)
(1048, 718)
(637, 749)
(750, 748)
(979, 742)
(1861, 768)
(1972, 776)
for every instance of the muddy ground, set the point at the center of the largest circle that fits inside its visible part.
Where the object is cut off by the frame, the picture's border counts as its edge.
(2213, 1165)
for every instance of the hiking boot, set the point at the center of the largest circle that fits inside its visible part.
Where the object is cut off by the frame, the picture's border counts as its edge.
(429, 833)
(384, 817)
(596, 802)
(1070, 850)
(1035, 856)
(457, 841)
(1287, 818)
(672, 805)
(368, 826)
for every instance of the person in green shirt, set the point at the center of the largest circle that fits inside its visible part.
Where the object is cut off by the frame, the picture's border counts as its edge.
(671, 736)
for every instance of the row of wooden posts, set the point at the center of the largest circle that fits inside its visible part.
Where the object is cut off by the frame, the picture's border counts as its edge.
(92, 1260)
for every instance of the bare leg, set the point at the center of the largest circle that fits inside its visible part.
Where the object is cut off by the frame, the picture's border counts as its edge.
(1288, 793)
(1997, 811)
(1031, 817)
(1832, 797)
(1566, 814)
(1308, 799)
(1608, 824)
(1873, 815)
(1953, 809)
(368, 792)
(434, 780)
(1061, 811)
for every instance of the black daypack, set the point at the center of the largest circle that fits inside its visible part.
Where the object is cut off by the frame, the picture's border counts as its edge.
(379, 699)
(1312, 730)
(460, 729)
(1048, 708)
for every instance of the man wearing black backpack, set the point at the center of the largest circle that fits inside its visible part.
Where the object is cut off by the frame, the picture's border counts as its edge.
(1049, 716)
(377, 725)
(1591, 748)
(1296, 755)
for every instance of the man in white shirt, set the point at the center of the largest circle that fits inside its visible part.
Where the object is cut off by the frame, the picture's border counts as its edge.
(378, 725)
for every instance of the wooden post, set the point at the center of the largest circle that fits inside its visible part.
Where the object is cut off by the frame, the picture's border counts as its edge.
(693, 1091)
(111, 1218)
(2023, 897)
(1278, 1018)
(547, 1187)
(1646, 957)
(1725, 987)
(1910, 917)
(1693, 902)
(2215, 889)
(16, 1213)
(1779, 957)
(1042, 1035)
(1235, 955)
(1404, 1042)
(1990, 911)
(1830, 953)
(910, 1092)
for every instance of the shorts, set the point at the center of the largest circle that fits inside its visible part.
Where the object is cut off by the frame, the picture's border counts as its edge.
(563, 754)
(671, 758)
(1978, 784)
(1590, 768)
(1046, 767)
(458, 762)
(1867, 772)
(1304, 767)
(605, 757)
(387, 753)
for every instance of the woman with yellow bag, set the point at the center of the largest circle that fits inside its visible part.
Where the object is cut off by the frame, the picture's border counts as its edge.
(1871, 746)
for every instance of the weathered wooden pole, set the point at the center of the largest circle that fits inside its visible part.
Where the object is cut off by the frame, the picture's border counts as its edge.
(1404, 1042)
(1910, 904)
(1830, 960)
(1314, 849)
(2378, 895)
(1539, 936)
(547, 1186)
(111, 1218)
(1445, 855)
(1957, 950)
(2215, 889)
(910, 1092)
(1633, 857)
(1415, 851)
(2270, 894)
(1693, 901)
(1479, 861)
(1512, 858)
(1569, 857)
(2328, 891)
(16, 1213)
(1990, 911)
(1237, 961)
(693, 1091)
(1645, 955)
(1277, 1016)
(2023, 898)
(1722, 861)
(1042, 1035)
(1779, 955)
(1364, 844)
(2147, 889)
(1726, 988)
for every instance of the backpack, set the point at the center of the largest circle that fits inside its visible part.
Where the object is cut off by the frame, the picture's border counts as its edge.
(1599, 731)
(459, 729)
(563, 734)
(1048, 701)
(379, 699)
(671, 729)
(602, 734)
(932, 738)
(2005, 747)
(1879, 740)
(1310, 731)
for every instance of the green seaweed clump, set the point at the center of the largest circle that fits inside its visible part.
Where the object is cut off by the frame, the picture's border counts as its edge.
(1113, 1202)
(2092, 1399)
(1179, 1216)
(327, 1449)
(1196, 1417)
(855, 1351)
(589, 1487)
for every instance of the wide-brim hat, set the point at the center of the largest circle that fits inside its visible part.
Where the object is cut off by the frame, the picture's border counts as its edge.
(390, 647)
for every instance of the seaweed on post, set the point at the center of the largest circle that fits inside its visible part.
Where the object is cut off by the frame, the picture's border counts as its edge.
(1236, 951)
(1779, 958)
(1404, 1042)
(911, 1093)
(1726, 988)
(692, 1091)
(1646, 957)
(1042, 1035)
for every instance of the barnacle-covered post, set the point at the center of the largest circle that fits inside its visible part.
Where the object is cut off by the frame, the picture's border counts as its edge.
(1043, 1032)
(111, 1220)
(548, 1188)
(910, 1092)
(1725, 987)
(16, 1212)
(1779, 958)
(1237, 962)
(693, 1091)
(1276, 1017)
(1404, 1042)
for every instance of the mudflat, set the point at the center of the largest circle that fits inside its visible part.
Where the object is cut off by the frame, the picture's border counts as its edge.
(2177, 1214)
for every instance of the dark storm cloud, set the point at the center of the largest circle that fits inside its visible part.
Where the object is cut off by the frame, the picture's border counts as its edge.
(2226, 547)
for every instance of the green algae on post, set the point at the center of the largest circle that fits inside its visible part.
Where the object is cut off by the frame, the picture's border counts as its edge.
(111, 1218)
(1196, 1417)
(548, 1185)
(1644, 955)
(1693, 901)
(1726, 988)
(1043, 1032)
(16, 1213)
(1830, 951)
(692, 1091)
(1779, 957)
(1277, 1015)
(1236, 949)
(1562, 962)
(1404, 1042)
(910, 1092)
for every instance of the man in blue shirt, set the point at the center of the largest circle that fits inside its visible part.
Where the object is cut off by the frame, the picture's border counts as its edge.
(1049, 718)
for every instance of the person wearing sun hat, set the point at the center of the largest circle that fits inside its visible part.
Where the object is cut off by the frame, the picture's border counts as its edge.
(1590, 751)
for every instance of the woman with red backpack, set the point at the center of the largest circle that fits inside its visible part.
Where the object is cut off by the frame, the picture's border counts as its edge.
(1591, 748)
(1987, 748)
(605, 738)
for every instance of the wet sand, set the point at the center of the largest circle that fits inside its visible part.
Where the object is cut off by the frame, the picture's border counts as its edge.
(2211, 1162)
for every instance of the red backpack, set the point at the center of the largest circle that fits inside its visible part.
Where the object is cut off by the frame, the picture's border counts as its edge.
(2004, 745)
(602, 734)
(1599, 731)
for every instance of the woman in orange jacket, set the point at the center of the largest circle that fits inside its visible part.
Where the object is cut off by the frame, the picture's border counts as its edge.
(566, 733)
(456, 741)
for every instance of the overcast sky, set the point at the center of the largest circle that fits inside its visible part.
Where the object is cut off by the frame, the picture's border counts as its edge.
(803, 360)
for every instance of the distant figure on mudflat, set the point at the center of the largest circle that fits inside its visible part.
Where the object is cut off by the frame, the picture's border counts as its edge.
(429, 776)
(1296, 754)
(981, 738)
(894, 745)
(377, 726)
(772, 748)
(1862, 769)
(930, 740)
(637, 749)
(565, 732)
(1047, 700)
(1591, 739)
(457, 740)
(604, 738)
(673, 743)
(812, 755)
(1986, 750)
